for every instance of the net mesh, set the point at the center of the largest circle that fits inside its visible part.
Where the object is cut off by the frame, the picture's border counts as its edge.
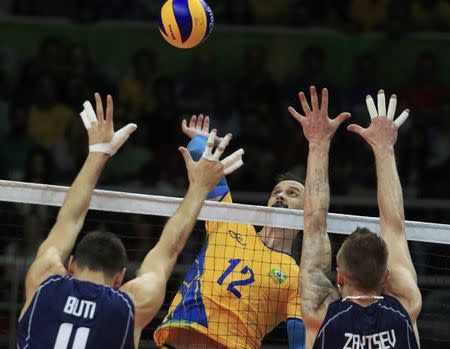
(236, 281)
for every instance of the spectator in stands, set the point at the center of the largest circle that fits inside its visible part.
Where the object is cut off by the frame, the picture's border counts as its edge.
(38, 167)
(16, 145)
(425, 91)
(135, 89)
(313, 71)
(431, 14)
(51, 61)
(269, 12)
(195, 88)
(368, 15)
(226, 116)
(48, 119)
(83, 77)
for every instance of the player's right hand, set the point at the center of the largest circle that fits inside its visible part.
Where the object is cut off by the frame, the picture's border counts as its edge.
(207, 172)
(102, 138)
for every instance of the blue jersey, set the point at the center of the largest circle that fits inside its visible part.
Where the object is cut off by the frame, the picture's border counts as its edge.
(66, 313)
(382, 325)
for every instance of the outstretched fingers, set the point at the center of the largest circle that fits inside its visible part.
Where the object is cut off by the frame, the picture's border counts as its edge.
(391, 108)
(210, 144)
(371, 107)
(314, 98)
(296, 115)
(221, 147)
(381, 102)
(356, 129)
(324, 100)
(109, 108)
(342, 117)
(304, 103)
(232, 162)
(205, 127)
(99, 108)
(402, 118)
(186, 156)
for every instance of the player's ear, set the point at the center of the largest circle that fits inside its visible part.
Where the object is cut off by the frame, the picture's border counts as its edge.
(340, 277)
(386, 277)
(118, 278)
(71, 268)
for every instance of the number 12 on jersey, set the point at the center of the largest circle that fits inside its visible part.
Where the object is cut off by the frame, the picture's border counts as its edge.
(232, 286)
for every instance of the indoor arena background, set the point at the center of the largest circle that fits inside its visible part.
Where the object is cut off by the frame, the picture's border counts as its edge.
(56, 54)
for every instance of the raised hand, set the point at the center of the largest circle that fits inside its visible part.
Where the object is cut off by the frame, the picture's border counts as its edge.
(316, 124)
(207, 172)
(102, 137)
(383, 130)
(197, 126)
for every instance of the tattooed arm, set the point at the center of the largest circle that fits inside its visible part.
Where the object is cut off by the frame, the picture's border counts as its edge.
(316, 289)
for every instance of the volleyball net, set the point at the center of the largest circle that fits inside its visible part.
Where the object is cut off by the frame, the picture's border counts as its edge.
(29, 210)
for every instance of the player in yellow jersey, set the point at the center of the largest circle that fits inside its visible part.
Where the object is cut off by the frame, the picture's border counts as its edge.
(243, 283)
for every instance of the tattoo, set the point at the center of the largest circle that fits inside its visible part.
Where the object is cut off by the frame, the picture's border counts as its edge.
(316, 289)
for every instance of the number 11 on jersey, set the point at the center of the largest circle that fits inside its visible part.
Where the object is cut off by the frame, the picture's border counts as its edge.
(64, 333)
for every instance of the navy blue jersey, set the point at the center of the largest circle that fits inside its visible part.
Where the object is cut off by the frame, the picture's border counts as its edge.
(66, 313)
(382, 325)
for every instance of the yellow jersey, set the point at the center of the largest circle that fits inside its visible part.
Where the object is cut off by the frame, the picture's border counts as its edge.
(236, 291)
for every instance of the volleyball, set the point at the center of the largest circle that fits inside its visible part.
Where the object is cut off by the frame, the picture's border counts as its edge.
(185, 23)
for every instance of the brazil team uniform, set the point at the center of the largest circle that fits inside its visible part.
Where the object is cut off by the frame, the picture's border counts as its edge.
(236, 291)
(382, 325)
(66, 313)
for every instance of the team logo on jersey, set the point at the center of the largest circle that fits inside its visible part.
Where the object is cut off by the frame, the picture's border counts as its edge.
(238, 237)
(277, 275)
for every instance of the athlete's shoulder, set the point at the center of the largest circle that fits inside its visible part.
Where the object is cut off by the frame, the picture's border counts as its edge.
(55, 279)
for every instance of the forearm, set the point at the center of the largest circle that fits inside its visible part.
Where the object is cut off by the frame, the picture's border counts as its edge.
(317, 200)
(315, 264)
(389, 192)
(175, 234)
(76, 204)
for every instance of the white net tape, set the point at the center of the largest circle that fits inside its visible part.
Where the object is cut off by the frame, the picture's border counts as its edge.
(113, 201)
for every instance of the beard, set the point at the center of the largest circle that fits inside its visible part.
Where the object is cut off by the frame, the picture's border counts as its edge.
(281, 204)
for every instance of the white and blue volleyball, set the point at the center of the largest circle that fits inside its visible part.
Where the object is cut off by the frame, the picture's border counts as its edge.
(185, 23)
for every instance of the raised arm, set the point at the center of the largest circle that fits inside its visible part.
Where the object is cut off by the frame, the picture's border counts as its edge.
(381, 136)
(198, 131)
(148, 289)
(316, 289)
(103, 143)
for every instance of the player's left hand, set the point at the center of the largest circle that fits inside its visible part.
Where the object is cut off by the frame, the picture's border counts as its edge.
(316, 124)
(102, 137)
(383, 130)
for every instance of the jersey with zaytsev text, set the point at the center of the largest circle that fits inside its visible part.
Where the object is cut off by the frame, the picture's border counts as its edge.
(382, 325)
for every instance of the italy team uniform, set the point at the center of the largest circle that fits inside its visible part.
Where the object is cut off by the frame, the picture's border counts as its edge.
(236, 291)
(382, 325)
(66, 313)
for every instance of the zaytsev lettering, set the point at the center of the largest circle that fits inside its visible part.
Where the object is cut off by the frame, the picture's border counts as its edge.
(382, 340)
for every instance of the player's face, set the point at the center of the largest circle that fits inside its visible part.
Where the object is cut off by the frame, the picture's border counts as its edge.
(287, 194)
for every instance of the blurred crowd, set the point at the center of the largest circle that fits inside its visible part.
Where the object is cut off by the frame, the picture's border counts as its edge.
(352, 15)
(43, 139)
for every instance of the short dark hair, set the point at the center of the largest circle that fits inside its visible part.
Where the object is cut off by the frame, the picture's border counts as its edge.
(101, 251)
(289, 176)
(363, 257)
